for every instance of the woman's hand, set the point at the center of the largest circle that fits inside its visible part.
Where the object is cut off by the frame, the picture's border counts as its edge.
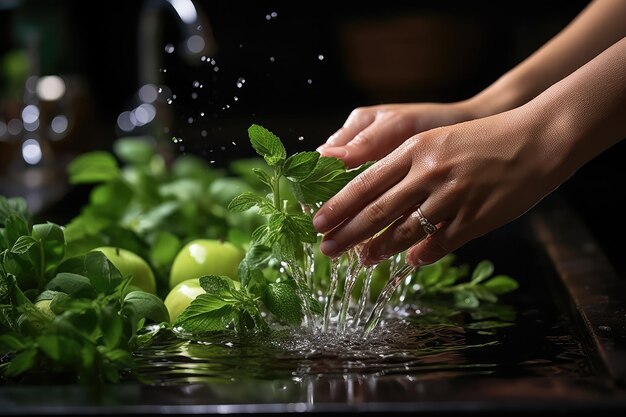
(467, 178)
(370, 133)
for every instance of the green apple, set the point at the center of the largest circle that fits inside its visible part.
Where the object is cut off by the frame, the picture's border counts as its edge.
(128, 262)
(202, 257)
(183, 294)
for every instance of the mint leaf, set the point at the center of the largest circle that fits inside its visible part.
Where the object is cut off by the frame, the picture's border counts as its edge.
(246, 201)
(102, 274)
(205, 314)
(93, 167)
(77, 286)
(23, 244)
(134, 150)
(282, 300)
(300, 165)
(266, 144)
(483, 270)
(216, 284)
(501, 284)
(301, 225)
(148, 306)
(263, 176)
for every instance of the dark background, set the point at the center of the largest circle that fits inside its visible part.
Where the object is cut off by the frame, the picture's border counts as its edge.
(392, 51)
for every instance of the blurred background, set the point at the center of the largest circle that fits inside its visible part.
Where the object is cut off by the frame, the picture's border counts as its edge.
(194, 74)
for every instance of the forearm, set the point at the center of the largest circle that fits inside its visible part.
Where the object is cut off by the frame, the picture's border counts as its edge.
(585, 113)
(597, 27)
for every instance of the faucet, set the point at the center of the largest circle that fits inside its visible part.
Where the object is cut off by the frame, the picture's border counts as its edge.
(198, 40)
(193, 24)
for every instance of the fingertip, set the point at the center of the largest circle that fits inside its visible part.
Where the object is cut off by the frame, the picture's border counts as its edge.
(334, 151)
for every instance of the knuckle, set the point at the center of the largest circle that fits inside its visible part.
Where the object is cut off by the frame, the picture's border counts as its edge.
(406, 232)
(375, 213)
(362, 139)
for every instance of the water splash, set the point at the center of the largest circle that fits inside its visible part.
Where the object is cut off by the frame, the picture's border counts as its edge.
(352, 273)
(332, 291)
(365, 295)
(396, 279)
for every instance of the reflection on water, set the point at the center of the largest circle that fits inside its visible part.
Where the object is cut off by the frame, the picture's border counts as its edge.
(421, 342)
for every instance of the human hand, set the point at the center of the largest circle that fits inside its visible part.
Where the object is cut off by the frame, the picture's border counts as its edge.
(468, 179)
(370, 133)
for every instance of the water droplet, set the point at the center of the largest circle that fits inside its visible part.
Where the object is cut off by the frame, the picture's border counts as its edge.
(268, 17)
(190, 120)
(160, 90)
(169, 101)
(272, 59)
(234, 144)
(222, 148)
(212, 62)
(203, 58)
(174, 96)
(174, 139)
(199, 27)
(164, 69)
(169, 48)
(194, 95)
(274, 15)
(203, 133)
(309, 81)
(202, 113)
(300, 138)
(320, 57)
(605, 328)
(241, 45)
(236, 98)
(228, 106)
(196, 84)
(212, 162)
(240, 82)
(216, 69)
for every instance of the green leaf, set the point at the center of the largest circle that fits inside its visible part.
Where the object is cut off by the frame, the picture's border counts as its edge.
(53, 242)
(103, 275)
(429, 275)
(216, 284)
(93, 167)
(60, 348)
(154, 218)
(266, 144)
(483, 270)
(328, 177)
(301, 225)
(465, 299)
(300, 165)
(485, 294)
(501, 284)
(134, 150)
(15, 206)
(246, 201)
(21, 363)
(23, 244)
(75, 285)
(282, 300)
(112, 326)
(206, 313)
(10, 343)
(147, 306)
(16, 226)
(263, 176)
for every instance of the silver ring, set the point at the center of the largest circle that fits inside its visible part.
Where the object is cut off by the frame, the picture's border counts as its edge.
(428, 227)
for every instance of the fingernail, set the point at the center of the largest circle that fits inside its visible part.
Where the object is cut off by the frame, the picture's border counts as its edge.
(320, 223)
(321, 147)
(337, 152)
(328, 247)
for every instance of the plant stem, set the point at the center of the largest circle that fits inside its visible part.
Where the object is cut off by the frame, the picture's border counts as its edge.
(276, 191)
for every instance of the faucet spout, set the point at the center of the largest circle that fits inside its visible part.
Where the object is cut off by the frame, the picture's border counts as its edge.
(195, 29)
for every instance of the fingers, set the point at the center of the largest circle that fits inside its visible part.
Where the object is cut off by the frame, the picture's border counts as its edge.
(361, 191)
(434, 247)
(374, 217)
(406, 231)
(369, 134)
(358, 120)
